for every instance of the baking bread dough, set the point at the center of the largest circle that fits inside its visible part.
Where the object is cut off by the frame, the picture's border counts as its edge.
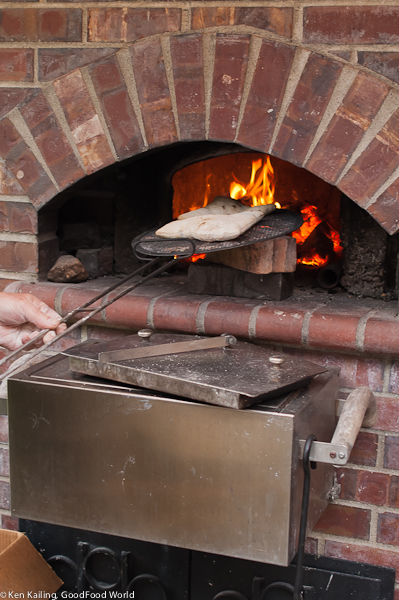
(220, 205)
(215, 228)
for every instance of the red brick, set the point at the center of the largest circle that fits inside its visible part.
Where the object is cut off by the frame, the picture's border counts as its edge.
(337, 326)
(228, 316)
(10, 523)
(381, 334)
(35, 182)
(10, 98)
(307, 107)
(16, 64)
(347, 127)
(54, 62)
(4, 495)
(372, 487)
(18, 256)
(129, 311)
(44, 25)
(345, 54)
(347, 479)
(266, 94)
(3, 429)
(344, 520)
(393, 494)
(51, 140)
(153, 92)
(4, 462)
(46, 292)
(85, 124)
(387, 529)
(355, 372)
(281, 324)
(364, 451)
(106, 333)
(351, 24)
(181, 310)
(9, 186)
(394, 378)
(17, 217)
(56, 25)
(364, 486)
(384, 63)
(385, 209)
(106, 24)
(388, 414)
(210, 17)
(375, 165)
(74, 297)
(188, 72)
(18, 25)
(364, 554)
(231, 58)
(277, 20)
(391, 457)
(118, 110)
(75, 99)
(131, 24)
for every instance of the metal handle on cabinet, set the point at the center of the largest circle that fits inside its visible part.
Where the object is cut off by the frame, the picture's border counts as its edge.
(360, 409)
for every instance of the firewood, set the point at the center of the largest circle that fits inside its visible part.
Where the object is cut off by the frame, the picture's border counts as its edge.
(272, 256)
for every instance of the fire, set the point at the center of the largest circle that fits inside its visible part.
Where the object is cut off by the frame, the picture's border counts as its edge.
(311, 221)
(251, 180)
(260, 187)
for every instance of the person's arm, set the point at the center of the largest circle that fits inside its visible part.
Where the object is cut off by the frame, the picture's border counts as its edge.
(22, 316)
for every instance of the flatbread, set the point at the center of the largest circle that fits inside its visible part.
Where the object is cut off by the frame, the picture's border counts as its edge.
(221, 205)
(215, 228)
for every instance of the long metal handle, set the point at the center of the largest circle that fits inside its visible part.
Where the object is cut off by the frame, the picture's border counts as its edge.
(73, 312)
(91, 314)
(360, 410)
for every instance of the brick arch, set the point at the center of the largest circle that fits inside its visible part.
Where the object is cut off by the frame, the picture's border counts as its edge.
(337, 120)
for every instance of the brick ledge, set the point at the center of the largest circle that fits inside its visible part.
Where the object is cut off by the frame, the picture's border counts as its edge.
(312, 321)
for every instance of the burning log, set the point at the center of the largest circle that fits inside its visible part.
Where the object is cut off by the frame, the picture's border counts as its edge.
(272, 256)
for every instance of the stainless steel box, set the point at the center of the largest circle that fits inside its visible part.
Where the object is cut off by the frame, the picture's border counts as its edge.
(116, 459)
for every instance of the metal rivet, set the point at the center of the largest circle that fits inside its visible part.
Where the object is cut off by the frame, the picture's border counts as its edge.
(333, 454)
(341, 455)
(276, 360)
(145, 333)
(20, 174)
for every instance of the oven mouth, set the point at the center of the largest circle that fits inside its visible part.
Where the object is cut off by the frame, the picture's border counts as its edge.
(96, 219)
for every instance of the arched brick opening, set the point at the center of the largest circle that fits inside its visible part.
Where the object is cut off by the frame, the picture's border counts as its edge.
(336, 120)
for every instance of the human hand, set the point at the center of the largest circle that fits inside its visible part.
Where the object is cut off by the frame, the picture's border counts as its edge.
(22, 316)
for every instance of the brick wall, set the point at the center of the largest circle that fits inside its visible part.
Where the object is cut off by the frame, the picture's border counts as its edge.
(85, 84)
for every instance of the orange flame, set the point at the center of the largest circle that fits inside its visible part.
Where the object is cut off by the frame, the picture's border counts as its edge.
(311, 221)
(313, 261)
(260, 187)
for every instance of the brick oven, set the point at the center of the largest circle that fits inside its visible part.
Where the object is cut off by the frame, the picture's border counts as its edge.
(88, 89)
